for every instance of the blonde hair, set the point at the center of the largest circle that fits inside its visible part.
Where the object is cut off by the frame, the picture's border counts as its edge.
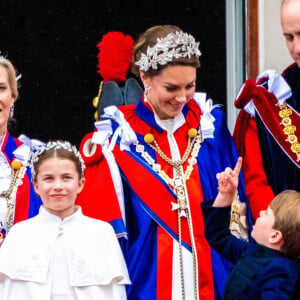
(11, 74)
(286, 210)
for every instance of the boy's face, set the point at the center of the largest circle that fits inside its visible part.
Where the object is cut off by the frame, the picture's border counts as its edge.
(263, 227)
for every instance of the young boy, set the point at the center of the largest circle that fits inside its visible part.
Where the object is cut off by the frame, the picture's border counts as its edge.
(267, 269)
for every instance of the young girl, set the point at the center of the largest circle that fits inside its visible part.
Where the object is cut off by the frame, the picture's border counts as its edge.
(60, 253)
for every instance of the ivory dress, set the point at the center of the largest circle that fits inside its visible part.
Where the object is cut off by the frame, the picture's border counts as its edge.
(49, 258)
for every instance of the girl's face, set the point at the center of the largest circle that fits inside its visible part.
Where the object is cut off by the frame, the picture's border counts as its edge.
(263, 228)
(58, 184)
(170, 90)
(6, 100)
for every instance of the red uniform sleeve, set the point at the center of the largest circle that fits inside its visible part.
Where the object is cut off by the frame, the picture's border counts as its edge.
(258, 191)
(98, 199)
(22, 201)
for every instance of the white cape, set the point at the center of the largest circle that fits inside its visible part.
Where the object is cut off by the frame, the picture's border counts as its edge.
(96, 265)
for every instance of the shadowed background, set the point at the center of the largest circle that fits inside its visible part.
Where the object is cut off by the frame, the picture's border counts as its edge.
(52, 43)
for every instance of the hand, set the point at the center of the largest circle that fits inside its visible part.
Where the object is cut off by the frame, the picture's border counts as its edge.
(228, 182)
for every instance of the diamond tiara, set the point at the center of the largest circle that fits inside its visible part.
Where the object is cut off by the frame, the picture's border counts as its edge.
(55, 145)
(174, 45)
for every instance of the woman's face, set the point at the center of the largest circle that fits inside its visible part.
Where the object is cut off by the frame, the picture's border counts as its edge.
(170, 90)
(6, 100)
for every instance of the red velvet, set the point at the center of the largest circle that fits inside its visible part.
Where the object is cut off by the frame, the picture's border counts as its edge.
(90, 159)
(22, 201)
(98, 180)
(243, 98)
(245, 93)
(258, 190)
(245, 135)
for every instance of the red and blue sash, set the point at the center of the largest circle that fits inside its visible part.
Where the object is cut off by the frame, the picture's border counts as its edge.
(268, 108)
(27, 203)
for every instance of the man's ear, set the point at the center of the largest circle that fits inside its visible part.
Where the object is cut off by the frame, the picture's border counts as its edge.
(276, 238)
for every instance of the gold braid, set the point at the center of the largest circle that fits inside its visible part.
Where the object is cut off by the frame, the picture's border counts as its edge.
(10, 196)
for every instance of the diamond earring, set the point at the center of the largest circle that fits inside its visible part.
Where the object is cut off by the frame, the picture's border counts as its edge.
(147, 88)
(11, 113)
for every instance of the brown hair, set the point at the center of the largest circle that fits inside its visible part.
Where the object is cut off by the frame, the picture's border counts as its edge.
(11, 74)
(57, 153)
(286, 209)
(149, 39)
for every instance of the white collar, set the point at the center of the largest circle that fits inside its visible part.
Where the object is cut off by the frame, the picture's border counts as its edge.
(170, 125)
(46, 215)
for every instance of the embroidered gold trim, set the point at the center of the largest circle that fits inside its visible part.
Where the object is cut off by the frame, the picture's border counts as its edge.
(289, 129)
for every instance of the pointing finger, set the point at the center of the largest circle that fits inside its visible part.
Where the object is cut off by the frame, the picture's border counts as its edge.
(238, 165)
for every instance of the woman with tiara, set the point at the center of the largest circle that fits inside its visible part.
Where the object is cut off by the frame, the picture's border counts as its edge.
(17, 198)
(150, 165)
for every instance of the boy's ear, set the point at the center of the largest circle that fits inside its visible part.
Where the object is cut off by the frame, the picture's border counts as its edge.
(276, 238)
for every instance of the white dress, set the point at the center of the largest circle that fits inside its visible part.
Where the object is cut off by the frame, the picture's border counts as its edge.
(51, 259)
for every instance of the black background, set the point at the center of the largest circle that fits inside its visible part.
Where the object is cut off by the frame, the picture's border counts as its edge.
(52, 43)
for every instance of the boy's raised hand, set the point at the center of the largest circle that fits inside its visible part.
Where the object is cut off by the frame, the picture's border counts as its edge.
(228, 179)
(228, 182)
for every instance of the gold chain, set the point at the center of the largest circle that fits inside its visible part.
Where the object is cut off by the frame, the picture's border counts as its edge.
(193, 145)
(194, 253)
(289, 129)
(175, 163)
(178, 183)
(10, 196)
(180, 255)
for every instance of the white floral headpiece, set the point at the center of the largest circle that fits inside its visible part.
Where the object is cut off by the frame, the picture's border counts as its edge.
(56, 145)
(174, 45)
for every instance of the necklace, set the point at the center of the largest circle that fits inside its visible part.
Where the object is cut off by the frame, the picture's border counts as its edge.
(9, 198)
(178, 183)
(289, 129)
